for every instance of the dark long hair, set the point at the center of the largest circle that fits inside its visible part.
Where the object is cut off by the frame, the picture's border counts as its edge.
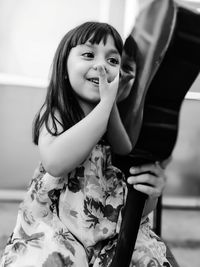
(60, 96)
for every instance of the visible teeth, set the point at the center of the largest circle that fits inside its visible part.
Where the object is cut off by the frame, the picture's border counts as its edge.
(94, 80)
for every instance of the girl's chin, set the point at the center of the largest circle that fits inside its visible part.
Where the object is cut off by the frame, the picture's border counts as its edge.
(93, 99)
(93, 102)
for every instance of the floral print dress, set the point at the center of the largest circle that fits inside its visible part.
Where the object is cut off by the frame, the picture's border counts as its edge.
(74, 220)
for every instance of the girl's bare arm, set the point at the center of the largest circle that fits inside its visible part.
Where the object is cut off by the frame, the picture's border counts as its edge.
(116, 133)
(63, 153)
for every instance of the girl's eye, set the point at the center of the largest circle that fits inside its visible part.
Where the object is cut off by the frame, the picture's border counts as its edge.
(88, 55)
(113, 61)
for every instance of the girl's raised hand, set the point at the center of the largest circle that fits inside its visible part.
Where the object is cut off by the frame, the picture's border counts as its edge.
(107, 89)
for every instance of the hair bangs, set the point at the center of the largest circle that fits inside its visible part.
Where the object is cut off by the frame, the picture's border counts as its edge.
(95, 32)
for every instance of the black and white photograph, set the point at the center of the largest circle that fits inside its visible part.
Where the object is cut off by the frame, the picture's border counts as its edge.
(99, 133)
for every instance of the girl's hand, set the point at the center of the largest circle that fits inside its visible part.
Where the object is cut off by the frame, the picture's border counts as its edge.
(107, 89)
(149, 179)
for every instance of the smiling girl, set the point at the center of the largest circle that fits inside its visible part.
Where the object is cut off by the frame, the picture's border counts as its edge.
(72, 211)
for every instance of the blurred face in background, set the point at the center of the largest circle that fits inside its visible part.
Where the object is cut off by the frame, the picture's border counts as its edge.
(128, 69)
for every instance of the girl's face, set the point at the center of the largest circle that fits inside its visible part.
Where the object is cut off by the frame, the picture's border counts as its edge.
(82, 72)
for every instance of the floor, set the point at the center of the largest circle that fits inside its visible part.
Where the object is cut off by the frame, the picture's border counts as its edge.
(180, 229)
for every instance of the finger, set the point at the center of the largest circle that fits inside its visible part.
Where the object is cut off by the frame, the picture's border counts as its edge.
(143, 178)
(102, 75)
(147, 168)
(150, 191)
(114, 85)
(159, 169)
(115, 81)
(166, 162)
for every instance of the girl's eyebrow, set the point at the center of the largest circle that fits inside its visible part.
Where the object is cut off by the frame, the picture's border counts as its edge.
(114, 51)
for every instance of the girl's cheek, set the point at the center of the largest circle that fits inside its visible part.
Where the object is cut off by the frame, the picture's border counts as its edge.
(116, 73)
(112, 78)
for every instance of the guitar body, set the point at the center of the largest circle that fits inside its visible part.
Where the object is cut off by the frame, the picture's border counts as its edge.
(168, 39)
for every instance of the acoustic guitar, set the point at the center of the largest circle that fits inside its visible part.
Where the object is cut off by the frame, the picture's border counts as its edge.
(168, 40)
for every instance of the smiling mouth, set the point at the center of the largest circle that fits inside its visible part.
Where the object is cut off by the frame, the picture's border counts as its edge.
(94, 80)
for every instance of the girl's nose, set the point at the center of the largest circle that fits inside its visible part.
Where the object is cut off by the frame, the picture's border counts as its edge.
(103, 65)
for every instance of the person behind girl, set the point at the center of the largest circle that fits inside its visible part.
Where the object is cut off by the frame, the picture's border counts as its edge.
(71, 214)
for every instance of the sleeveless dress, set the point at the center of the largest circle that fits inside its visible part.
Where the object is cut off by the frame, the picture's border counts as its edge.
(74, 220)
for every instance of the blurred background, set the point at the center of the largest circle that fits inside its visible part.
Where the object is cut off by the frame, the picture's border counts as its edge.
(30, 31)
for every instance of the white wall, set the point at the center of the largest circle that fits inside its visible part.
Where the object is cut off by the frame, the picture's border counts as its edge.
(30, 30)
(18, 155)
